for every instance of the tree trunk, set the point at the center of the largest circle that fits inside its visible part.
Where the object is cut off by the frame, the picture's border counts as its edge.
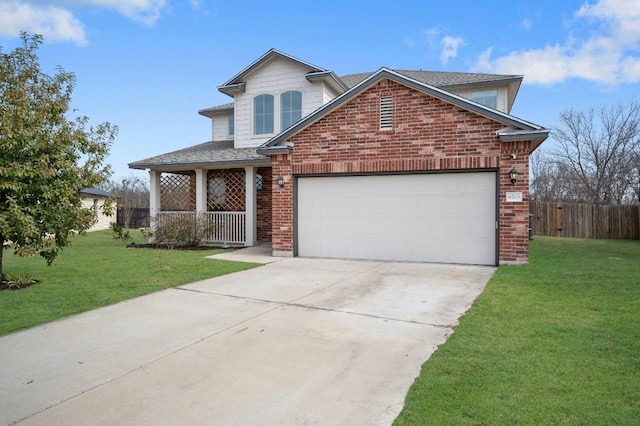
(1, 253)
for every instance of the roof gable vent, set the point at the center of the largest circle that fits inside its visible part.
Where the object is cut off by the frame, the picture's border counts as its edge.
(386, 113)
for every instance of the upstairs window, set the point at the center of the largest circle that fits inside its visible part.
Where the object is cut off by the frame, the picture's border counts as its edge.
(386, 113)
(263, 115)
(290, 108)
(486, 97)
(232, 126)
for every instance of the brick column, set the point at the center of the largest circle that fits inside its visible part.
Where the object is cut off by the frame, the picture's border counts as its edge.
(514, 216)
(282, 206)
(250, 206)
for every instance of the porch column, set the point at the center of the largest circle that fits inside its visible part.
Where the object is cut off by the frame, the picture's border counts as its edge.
(250, 206)
(201, 190)
(154, 196)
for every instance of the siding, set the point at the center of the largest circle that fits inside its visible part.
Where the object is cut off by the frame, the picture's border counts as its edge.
(275, 77)
(220, 128)
(103, 220)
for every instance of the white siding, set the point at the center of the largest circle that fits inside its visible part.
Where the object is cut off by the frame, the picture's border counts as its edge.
(103, 221)
(502, 95)
(220, 128)
(328, 94)
(275, 77)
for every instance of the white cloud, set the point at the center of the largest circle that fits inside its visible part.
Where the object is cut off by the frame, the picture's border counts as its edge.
(55, 23)
(609, 55)
(527, 24)
(630, 70)
(54, 19)
(145, 11)
(431, 36)
(450, 47)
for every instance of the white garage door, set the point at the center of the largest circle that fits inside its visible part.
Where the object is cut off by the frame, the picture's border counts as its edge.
(447, 218)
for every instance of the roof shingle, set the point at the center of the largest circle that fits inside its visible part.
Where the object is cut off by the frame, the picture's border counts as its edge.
(219, 152)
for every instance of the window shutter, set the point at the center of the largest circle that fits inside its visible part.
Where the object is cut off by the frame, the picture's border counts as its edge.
(386, 113)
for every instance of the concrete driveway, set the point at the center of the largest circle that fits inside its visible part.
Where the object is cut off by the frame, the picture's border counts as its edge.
(297, 341)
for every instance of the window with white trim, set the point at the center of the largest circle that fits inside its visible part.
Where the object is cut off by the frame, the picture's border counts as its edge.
(232, 126)
(290, 108)
(263, 115)
(486, 97)
(386, 113)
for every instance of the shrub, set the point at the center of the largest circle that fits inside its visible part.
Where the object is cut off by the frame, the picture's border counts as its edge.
(183, 229)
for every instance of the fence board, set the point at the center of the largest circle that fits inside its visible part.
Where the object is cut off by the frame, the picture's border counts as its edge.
(585, 220)
(133, 217)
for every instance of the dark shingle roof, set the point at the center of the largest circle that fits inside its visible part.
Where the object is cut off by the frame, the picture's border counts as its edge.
(96, 192)
(219, 152)
(439, 78)
(209, 112)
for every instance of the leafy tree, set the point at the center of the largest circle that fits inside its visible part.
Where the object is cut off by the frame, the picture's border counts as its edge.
(46, 158)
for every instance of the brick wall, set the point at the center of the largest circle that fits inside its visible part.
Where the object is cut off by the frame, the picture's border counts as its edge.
(514, 217)
(282, 205)
(428, 134)
(263, 208)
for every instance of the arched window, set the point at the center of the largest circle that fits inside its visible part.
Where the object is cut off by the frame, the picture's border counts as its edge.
(290, 108)
(263, 114)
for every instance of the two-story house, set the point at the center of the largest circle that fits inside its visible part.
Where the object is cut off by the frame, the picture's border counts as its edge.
(391, 165)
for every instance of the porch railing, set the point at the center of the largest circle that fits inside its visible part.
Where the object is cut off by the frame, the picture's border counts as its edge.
(218, 227)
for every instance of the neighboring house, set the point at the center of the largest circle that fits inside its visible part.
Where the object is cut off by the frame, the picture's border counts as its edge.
(391, 165)
(94, 199)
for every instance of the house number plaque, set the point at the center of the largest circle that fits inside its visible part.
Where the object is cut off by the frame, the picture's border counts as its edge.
(514, 197)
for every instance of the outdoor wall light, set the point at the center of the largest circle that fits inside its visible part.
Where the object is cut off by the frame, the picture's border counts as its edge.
(280, 181)
(513, 174)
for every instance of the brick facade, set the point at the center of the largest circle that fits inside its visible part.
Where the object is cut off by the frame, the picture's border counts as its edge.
(427, 135)
(282, 205)
(263, 207)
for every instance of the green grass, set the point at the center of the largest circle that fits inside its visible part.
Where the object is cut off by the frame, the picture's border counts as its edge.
(554, 342)
(95, 271)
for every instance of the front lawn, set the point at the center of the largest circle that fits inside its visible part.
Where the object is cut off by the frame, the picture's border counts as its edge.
(95, 271)
(555, 342)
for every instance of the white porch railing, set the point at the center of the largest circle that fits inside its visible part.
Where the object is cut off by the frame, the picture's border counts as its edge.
(218, 227)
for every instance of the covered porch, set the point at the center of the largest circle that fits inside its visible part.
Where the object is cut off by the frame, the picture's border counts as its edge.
(231, 206)
(224, 193)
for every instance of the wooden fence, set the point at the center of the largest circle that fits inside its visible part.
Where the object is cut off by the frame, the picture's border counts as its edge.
(133, 217)
(585, 220)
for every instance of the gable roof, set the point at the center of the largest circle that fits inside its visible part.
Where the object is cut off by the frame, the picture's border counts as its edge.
(516, 128)
(219, 152)
(237, 82)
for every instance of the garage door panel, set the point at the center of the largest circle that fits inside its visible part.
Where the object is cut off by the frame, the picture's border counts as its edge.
(428, 217)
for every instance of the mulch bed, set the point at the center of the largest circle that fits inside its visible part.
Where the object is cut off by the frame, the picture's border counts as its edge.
(5, 285)
(177, 247)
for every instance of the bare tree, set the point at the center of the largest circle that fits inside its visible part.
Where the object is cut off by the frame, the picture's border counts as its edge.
(601, 149)
(131, 192)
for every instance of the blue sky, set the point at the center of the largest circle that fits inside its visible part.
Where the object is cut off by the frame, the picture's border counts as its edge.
(149, 65)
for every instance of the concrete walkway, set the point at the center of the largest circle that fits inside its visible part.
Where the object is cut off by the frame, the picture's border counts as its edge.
(297, 341)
